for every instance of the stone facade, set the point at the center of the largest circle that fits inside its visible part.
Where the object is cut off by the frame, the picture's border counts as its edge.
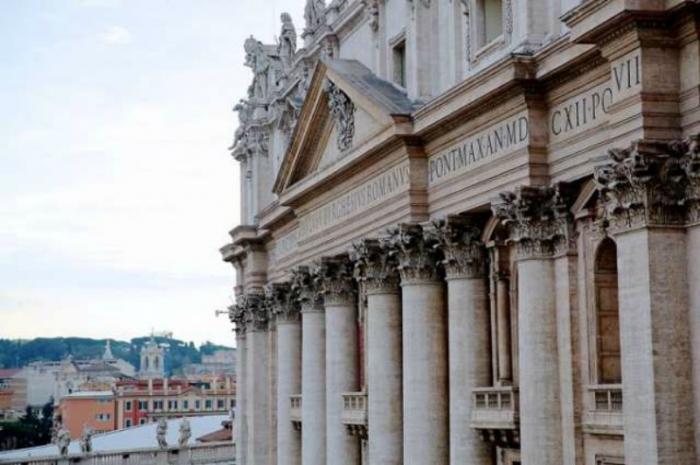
(470, 235)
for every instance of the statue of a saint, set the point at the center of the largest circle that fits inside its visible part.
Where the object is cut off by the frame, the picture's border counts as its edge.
(161, 431)
(185, 433)
(63, 441)
(86, 440)
(288, 40)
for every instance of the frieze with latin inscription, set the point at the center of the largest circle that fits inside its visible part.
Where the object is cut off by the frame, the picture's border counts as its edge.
(356, 201)
(484, 146)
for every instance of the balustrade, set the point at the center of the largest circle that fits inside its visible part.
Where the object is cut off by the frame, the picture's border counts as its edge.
(604, 409)
(355, 413)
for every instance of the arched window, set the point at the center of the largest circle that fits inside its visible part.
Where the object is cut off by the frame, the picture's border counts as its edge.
(607, 314)
(156, 363)
(146, 364)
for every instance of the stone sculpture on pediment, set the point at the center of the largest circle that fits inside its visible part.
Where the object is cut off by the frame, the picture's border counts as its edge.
(372, 7)
(342, 113)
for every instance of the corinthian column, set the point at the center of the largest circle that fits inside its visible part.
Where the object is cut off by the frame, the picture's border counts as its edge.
(340, 303)
(379, 273)
(313, 369)
(645, 194)
(285, 307)
(257, 381)
(539, 226)
(468, 333)
(238, 317)
(424, 349)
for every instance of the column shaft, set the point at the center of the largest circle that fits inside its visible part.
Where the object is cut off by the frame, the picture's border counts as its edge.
(341, 376)
(313, 386)
(469, 365)
(425, 381)
(384, 371)
(240, 436)
(654, 330)
(288, 384)
(258, 448)
(540, 416)
(693, 252)
(503, 316)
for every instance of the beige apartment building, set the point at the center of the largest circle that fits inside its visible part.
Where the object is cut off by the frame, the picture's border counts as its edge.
(470, 235)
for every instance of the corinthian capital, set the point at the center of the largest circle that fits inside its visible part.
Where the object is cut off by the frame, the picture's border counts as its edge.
(460, 241)
(336, 278)
(283, 302)
(538, 220)
(257, 314)
(417, 257)
(237, 316)
(650, 183)
(307, 288)
(375, 266)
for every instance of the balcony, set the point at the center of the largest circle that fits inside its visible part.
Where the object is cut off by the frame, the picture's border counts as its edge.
(495, 415)
(604, 410)
(295, 411)
(355, 413)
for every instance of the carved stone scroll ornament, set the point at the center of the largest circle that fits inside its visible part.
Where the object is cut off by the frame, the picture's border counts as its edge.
(538, 220)
(283, 301)
(650, 183)
(459, 239)
(343, 114)
(337, 281)
(307, 288)
(375, 266)
(415, 251)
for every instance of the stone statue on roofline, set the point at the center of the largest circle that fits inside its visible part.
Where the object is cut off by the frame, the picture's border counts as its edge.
(161, 431)
(314, 14)
(288, 40)
(86, 440)
(257, 60)
(63, 441)
(185, 433)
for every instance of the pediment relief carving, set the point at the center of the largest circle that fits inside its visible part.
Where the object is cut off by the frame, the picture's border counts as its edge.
(346, 105)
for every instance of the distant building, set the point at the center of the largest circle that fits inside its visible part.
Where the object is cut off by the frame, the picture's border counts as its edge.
(152, 360)
(47, 380)
(13, 393)
(143, 401)
(220, 363)
(95, 409)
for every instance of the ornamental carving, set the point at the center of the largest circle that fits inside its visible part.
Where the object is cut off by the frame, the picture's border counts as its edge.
(336, 279)
(416, 253)
(538, 220)
(372, 7)
(283, 302)
(257, 312)
(237, 316)
(257, 60)
(307, 288)
(375, 266)
(464, 253)
(650, 183)
(343, 114)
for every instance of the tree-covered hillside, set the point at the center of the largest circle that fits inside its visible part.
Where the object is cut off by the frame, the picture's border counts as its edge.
(17, 353)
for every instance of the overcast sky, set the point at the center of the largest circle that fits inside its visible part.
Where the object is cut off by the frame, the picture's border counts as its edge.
(116, 188)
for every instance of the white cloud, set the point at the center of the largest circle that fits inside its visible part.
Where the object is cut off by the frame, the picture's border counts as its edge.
(116, 35)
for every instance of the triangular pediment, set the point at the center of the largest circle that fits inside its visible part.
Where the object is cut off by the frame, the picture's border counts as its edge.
(346, 105)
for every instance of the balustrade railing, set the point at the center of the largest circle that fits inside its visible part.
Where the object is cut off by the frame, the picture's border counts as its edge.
(200, 454)
(354, 414)
(495, 408)
(295, 409)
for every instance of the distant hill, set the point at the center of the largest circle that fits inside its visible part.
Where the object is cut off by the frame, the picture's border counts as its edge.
(15, 353)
